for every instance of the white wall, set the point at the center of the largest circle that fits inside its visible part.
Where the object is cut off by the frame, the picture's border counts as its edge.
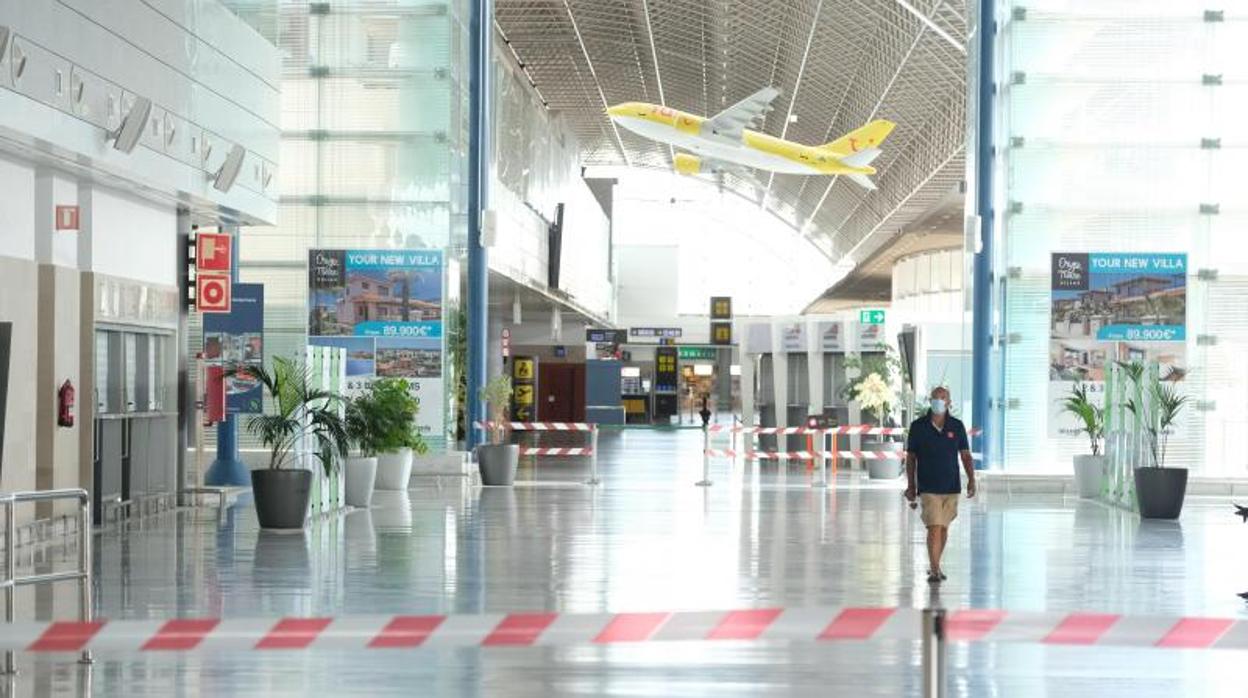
(210, 77)
(132, 238)
(17, 210)
(726, 246)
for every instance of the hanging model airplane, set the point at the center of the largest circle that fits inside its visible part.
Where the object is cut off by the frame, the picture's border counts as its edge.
(723, 142)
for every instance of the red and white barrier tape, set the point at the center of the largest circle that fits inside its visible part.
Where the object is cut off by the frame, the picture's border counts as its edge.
(851, 430)
(542, 426)
(553, 629)
(527, 451)
(808, 455)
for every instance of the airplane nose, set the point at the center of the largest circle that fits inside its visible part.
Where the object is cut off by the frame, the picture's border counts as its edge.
(616, 111)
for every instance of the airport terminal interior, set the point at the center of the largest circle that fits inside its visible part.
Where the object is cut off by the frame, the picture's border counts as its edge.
(623, 348)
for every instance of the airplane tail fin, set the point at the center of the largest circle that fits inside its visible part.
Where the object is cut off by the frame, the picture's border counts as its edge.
(862, 138)
(862, 158)
(862, 180)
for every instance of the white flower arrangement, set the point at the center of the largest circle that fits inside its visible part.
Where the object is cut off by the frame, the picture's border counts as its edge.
(875, 395)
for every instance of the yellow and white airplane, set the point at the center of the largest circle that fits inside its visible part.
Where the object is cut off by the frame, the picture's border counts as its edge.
(723, 142)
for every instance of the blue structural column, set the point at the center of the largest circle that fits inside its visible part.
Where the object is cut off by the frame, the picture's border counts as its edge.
(481, 28)
(228, 469)
(982, 331)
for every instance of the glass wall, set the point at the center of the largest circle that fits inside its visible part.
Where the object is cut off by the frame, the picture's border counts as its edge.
(1122, 129)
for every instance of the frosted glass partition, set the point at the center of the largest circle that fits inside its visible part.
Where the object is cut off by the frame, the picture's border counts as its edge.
(1123, 130)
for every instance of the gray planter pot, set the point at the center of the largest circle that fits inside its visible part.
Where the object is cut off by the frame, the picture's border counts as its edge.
(361, 475)
(1089, 474)
(1160, 492)
(281, 497)
(498, 463)
(886, 468)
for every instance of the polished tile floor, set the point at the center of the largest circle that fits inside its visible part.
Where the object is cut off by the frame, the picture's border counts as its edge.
(648, 539)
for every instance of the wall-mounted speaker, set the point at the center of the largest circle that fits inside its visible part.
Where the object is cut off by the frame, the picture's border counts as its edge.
(229, 169)
(127, 136)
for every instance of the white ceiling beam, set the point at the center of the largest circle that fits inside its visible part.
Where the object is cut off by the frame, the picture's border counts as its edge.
(931, 24)
(658, 79)
(788, 118)
(619, 142)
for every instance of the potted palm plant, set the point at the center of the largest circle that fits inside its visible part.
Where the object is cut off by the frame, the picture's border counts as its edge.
(400, 436)
(497, 460)
(300, 414)
(366, 427)
(876, 396)
(1156, 404)
(1089, 469)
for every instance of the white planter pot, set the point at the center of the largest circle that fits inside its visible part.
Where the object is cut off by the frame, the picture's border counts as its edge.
(394, 470)
(361, 475)
(1089, 474)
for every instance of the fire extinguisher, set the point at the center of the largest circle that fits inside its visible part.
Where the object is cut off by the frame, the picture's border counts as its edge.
(65, 405)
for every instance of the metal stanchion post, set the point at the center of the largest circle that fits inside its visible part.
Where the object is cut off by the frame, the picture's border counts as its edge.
(820, 462)
(934, 653)
(593, 460)
(706, 457)
(10, 667)
(84, 566)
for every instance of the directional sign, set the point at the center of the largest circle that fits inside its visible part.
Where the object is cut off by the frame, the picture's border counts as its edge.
(212, 252)
(871, 317)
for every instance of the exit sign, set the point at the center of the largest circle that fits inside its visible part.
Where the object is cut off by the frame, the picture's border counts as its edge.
(697, 353)
(871, 317)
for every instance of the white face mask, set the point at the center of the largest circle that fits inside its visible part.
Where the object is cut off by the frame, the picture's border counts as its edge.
(938, 406)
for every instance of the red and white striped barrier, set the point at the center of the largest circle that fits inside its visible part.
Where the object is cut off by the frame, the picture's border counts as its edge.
(543, 426)
(850, 430)
(810, 455)
(554, 629)
(536, 451)
(590, 451)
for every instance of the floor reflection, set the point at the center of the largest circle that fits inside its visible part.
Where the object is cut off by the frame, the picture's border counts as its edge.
(648, 539)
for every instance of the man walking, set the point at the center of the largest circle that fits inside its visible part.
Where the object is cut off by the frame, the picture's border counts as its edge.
(935, 443)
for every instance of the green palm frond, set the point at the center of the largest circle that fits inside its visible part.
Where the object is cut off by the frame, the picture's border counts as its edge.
(298, 410)
(1078, 404)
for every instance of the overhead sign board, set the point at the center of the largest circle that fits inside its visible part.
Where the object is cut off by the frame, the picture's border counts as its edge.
(655, 332)
(697, 353)
(601, 336)
(871, 317)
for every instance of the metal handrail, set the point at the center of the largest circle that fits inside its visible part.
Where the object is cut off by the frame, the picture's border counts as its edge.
(83, 574)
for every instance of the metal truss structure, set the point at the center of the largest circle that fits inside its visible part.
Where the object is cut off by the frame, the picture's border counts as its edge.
(838, 63)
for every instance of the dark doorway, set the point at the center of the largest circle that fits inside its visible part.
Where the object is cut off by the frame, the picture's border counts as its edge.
(562, 392)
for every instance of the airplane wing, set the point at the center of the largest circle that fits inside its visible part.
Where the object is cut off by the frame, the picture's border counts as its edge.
(730, 122)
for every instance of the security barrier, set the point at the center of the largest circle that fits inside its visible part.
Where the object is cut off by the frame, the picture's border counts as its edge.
(932, 627)
(591, 451)
(82, 575)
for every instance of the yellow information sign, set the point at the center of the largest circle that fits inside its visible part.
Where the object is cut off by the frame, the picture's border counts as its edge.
(524, 395)
(523, 369)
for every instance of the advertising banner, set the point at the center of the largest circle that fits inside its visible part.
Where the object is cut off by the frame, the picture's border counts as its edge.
(1108, 307)
(385, 308)
(234, 339)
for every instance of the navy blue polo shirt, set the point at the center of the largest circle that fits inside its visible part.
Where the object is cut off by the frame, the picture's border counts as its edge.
(936, 452)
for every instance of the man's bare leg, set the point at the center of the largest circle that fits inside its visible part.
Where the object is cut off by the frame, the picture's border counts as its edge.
(935, 546)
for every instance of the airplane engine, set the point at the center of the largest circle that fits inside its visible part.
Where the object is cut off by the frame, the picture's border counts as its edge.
(688, 164)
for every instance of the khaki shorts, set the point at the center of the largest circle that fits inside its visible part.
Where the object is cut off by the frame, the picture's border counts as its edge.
(939, 509)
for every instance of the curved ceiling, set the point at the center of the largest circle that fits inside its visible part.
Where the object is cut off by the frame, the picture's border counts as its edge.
(838, 63)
